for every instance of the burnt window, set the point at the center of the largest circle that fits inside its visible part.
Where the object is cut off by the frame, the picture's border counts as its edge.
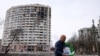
(24, 15)
(41, 14)
(33, 15)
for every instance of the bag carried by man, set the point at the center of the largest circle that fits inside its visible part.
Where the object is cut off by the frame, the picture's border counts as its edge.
(68, 49)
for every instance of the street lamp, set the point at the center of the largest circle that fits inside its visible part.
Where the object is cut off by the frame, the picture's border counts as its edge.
(98, 41)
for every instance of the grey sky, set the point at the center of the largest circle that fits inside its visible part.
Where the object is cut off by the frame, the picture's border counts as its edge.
(68, 16)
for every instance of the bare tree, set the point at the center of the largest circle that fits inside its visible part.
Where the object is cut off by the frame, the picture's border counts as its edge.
(73, 38)
(13, 36)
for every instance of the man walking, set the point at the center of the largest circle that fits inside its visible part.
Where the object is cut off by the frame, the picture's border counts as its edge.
(59, 46)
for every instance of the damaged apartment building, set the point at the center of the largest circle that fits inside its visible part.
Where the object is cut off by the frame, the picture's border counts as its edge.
(35, 22)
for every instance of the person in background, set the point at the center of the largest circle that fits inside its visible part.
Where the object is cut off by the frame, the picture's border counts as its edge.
(59, 46)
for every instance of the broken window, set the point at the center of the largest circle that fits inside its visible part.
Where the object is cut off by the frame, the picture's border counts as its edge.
(33, 15)
(42, 13)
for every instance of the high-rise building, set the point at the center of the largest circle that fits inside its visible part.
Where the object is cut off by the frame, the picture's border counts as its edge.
(35, 22)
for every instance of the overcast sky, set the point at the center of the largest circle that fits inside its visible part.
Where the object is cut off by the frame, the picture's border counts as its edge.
(68, 16)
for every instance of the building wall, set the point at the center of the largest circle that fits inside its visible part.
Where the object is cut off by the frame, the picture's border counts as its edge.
(87, 34)
(84, 33)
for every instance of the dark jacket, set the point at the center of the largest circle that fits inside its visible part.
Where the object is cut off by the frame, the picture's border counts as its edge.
(59, 48)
